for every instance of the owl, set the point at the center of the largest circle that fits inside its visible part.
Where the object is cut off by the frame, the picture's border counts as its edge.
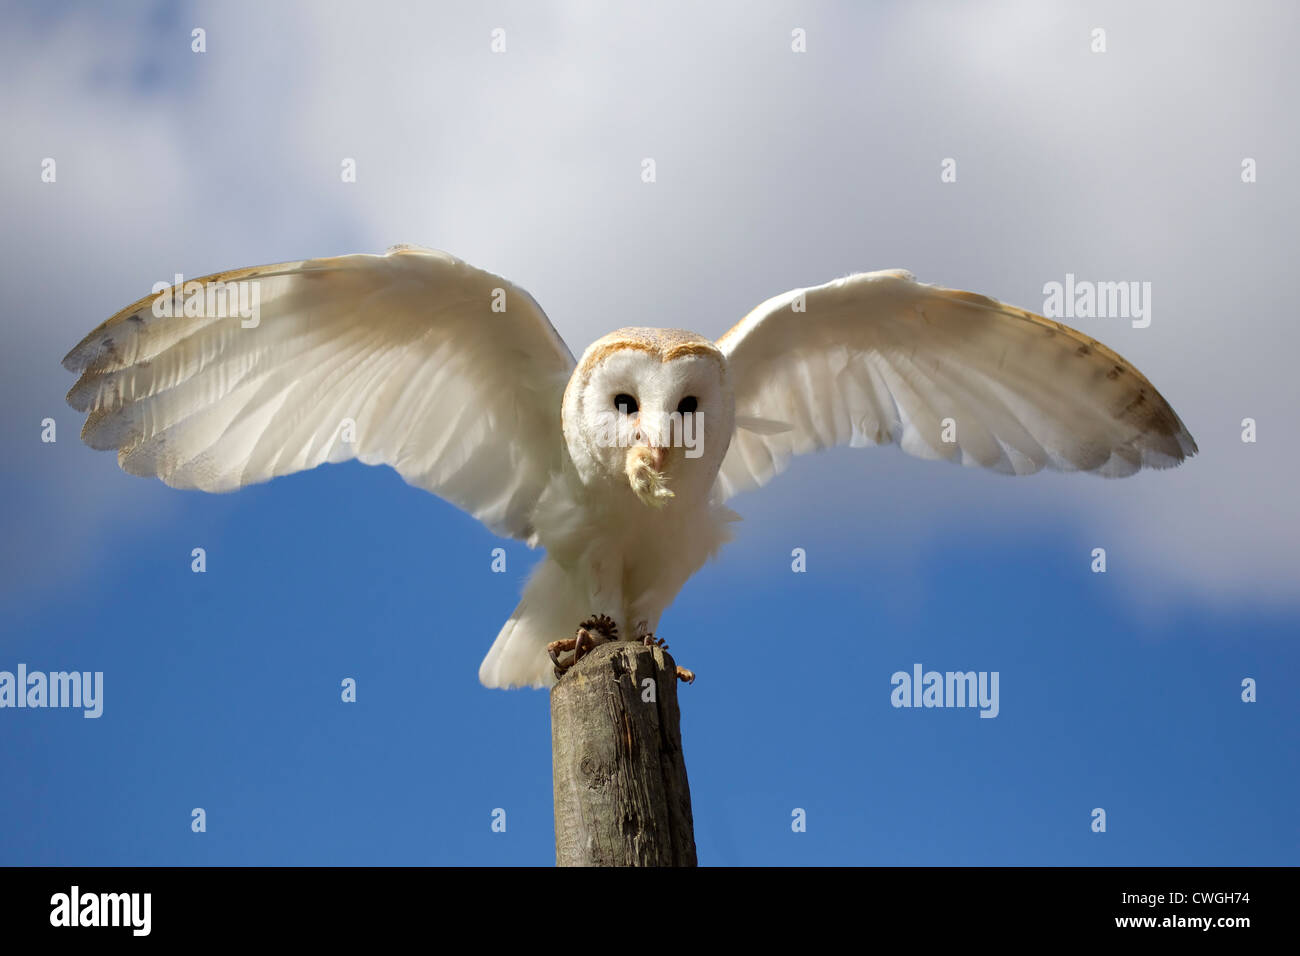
(619, 465)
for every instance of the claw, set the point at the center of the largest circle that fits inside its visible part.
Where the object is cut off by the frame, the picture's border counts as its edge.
(684, 675)
(556, 648)
(583, 643)
(594, 631)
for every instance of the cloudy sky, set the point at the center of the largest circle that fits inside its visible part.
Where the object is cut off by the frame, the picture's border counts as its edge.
(775, 169)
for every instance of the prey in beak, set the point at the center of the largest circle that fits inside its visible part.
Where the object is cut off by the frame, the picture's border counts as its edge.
(645, 472)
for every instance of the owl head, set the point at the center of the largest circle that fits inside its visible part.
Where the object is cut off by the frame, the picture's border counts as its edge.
(651, 411)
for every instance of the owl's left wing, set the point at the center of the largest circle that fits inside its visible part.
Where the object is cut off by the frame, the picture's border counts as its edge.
(878, 357)
(414, 359)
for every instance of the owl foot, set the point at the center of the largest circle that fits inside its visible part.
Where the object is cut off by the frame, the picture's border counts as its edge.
(647, 637)
(555, 649)
(594, 631)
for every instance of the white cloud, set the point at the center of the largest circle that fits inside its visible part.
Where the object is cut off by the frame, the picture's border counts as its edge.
(775, 169)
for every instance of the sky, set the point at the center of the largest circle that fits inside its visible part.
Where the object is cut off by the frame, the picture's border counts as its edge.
(774, 169)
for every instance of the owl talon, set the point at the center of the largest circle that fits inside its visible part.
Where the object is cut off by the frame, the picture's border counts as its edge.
(583, 643)
(556, 648)
(594, 631)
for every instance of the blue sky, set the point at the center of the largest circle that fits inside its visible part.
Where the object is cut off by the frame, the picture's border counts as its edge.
(1119, 691)
(222, 691)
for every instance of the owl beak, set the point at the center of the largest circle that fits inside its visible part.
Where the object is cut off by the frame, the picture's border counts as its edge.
(647, 448)
(645, 473)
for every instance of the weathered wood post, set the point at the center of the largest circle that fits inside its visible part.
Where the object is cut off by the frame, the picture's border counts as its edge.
(621, 795)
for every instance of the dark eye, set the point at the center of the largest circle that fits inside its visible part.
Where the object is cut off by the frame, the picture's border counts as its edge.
(688, 404)
(625, 403)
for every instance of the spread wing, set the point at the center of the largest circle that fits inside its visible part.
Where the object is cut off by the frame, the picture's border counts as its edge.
(399, 359)
(878, 357)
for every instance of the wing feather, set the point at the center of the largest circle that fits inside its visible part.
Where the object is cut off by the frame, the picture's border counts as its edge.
(405, 348)
(878, 357)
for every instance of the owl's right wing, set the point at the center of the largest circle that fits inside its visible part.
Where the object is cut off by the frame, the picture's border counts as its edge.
(414, 359)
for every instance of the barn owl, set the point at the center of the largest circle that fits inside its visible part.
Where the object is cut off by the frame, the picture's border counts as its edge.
(619, 465)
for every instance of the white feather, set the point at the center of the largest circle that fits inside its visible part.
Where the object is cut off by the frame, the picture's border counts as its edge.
(462, 400)
(878, 357)
(472, 404)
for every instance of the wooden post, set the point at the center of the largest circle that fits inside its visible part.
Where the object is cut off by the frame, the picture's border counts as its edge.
(621, 795)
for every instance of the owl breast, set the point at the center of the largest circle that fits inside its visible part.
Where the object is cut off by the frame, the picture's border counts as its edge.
(585, 528)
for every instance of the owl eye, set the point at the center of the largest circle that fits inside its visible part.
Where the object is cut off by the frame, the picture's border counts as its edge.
(625, 403)
(688, 405)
